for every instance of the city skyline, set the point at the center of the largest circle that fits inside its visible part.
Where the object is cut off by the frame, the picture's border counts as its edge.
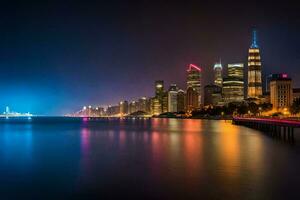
(149, 99)
(56, 60)
(235, 87)
(207, 80)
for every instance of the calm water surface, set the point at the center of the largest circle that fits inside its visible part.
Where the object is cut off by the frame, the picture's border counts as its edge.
(144, 159)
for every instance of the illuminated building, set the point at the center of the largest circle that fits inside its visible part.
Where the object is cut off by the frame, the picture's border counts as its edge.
(143, 105)
(181, 101)
(133, 107)
(99, 111)
(165, 102)
(233, 84)
(123, 107)
(159, 89)
(89, 111)
(270, 77)
(192, 99)
(218, 74)
(83, 111)
(8, 113)
(233, 89)
(172, 98)
(113, 110)
(236, 70)
(194, 82)
(281, 92)
(161, 96)
(254, 70)
(156, 106)
(212, 95)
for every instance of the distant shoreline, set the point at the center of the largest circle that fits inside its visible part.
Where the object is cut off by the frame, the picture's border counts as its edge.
(86, 118)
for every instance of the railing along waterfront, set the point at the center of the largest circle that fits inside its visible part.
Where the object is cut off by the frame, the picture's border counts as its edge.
(280, 128)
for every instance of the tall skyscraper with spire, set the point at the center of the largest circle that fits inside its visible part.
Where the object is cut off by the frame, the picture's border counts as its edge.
(254, 69)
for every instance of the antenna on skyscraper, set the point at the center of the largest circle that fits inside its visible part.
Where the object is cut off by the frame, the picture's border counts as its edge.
(254, 39)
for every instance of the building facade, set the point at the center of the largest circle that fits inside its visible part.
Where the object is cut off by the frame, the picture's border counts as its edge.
(123, 108)
(181, 96)
(143, 105)
(159, 89)
(100, 111)
(192, 99)
(233, 84)
(218, 77)
(164, 105)
(156, 106)
(270, 77)
(133, 107)
(212, 95)
(193, 87)
(254, 70)
(281, 93)
(172, 98)
(161, 97)
(113, 110)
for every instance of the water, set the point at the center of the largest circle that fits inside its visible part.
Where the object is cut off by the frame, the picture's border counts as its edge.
(58, 158)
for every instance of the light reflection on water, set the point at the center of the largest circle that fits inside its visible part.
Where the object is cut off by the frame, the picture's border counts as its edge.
(158, 158)
(17, 143)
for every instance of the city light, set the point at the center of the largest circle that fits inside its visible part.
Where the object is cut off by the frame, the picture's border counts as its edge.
(8, 113)
(150, 100)
(192, 66)
(226, 89)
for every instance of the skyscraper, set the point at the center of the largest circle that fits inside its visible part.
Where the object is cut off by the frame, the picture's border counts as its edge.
(113, 110)
(194, 82)
(192, 99)
(172, 98)
(218, 74)
(212, 95)
(159, 89)
(123, 108)
(254, 69)
(236, 70)
(233, 85)
(165, 102)
(143, 104)
(155, 106)
(133, 107)
(160, 96)
(181, 101)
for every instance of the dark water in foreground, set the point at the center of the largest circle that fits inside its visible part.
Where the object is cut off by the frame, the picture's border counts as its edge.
(144, 159)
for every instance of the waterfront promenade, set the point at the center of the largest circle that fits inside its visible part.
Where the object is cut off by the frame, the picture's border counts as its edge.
(281, 128)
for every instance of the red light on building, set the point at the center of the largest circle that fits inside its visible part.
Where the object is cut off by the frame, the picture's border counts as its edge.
(194, 66)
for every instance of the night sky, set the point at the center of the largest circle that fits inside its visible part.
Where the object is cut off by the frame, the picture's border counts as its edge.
(56, 57)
